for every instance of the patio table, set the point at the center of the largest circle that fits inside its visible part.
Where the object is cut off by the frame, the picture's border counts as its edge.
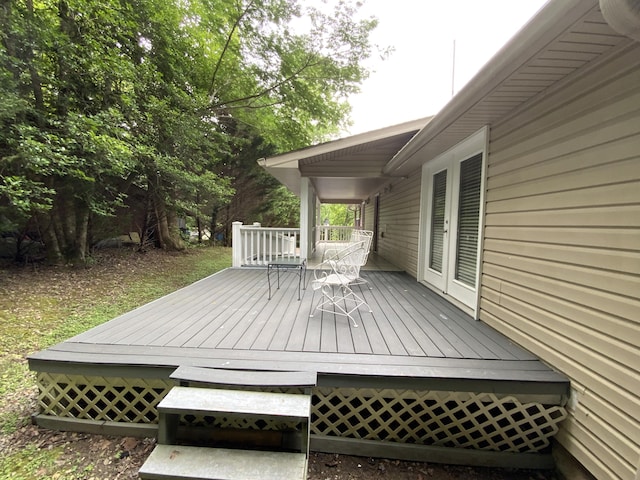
(299, 265)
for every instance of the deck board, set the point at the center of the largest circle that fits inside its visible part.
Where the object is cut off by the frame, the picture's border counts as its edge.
(405, 328)
(407, 314)
(227, 320)
(419, 303)
(324, 364)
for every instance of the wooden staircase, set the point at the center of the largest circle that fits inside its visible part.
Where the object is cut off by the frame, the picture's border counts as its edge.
(255, 454)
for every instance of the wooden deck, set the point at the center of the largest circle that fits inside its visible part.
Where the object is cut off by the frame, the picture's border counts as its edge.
(418, 379)
(227, 321)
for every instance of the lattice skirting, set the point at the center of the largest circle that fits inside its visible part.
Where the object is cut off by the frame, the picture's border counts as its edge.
(113, 399)
(481, 421)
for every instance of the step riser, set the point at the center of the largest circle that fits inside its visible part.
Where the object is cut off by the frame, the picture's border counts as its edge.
(237, 438)
(233, 404)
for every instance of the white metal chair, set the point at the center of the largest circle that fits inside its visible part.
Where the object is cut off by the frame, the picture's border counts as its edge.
(334, 276)
(366, 237)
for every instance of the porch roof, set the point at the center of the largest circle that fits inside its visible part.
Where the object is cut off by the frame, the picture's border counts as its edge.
(344, 170)
(565, 38)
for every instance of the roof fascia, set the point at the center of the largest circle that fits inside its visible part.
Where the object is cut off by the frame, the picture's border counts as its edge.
(290, 159)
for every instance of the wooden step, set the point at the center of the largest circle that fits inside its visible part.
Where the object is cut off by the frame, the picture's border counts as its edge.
(284, 407)
(248, 378)
(235, 403)
(176, 462)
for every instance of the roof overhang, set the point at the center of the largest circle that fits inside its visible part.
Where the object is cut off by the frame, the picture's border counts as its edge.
(347, 170)
(565, 38)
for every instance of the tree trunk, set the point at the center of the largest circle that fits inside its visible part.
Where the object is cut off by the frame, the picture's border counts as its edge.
(82, 235)
(213, 225)
(67, 233)
(58, 231)
(49, 238)
(166, 230)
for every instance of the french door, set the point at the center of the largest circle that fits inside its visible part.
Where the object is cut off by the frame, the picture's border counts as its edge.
(453, 206)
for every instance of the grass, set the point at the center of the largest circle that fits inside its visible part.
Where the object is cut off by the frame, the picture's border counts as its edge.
(43, 307)
(30, 462)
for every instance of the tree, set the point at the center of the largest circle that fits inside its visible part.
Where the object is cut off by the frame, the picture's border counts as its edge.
(337, 214)
(101, 97)
(61, 147)
(258, 197)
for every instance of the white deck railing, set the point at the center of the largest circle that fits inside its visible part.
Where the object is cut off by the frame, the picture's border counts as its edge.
(333, 233)
(255, 246)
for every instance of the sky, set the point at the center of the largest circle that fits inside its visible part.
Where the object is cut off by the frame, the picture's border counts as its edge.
(416, 80)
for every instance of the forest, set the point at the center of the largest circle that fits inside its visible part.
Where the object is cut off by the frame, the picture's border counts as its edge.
(121, 116)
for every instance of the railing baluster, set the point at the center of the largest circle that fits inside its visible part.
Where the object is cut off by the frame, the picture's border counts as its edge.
(270, 259)
(259, 246)
(245, 251)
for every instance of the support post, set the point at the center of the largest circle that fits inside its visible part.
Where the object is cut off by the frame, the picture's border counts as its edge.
(306, 195)
(236, 245)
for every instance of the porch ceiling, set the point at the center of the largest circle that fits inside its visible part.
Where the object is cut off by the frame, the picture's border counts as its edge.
(352, 173)
(564, 39)
(346, 170)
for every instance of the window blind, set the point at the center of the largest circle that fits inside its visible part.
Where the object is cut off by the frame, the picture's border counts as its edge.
(468, 220)
(437, 220)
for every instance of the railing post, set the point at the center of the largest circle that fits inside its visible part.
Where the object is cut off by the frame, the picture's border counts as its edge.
(236, 244)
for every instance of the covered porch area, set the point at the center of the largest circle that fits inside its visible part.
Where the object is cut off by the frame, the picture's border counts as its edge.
(346, 171)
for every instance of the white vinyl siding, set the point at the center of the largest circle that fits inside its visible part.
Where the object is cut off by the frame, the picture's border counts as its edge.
(399, 221)
(561, 252)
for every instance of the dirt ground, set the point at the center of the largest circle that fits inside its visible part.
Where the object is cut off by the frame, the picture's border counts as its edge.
(96, 457)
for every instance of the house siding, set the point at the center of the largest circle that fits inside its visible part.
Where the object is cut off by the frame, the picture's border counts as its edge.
(399, 223)
(561, 252)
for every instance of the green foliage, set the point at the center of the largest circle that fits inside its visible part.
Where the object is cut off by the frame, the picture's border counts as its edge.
(337, 214)
(102, 98)
(280, 208)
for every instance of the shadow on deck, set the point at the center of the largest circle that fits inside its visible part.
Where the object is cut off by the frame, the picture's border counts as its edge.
(417, 373)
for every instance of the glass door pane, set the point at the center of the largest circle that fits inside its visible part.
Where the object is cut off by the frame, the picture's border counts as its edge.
(439, 197)
(468, 220)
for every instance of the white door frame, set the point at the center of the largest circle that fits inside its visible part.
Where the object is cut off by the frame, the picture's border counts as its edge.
(432, 277)
(444, 283)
